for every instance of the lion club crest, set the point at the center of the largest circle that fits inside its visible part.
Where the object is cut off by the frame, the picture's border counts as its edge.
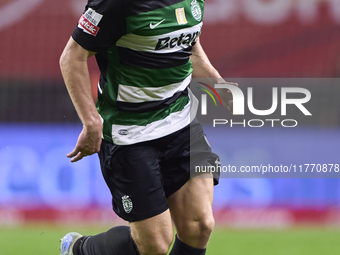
(196, 10)
(127, 204)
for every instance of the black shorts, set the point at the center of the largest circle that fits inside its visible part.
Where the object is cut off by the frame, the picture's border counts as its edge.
(141, 176)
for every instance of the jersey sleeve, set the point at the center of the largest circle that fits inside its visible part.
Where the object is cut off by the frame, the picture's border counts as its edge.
(101, 25)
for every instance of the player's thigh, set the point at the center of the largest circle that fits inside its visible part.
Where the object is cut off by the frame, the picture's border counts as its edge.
(133, 175)
(191, 210)
(193, 200)
(153, 235)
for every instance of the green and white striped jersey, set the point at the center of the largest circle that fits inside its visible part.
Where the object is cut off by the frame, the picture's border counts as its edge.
(143, 52)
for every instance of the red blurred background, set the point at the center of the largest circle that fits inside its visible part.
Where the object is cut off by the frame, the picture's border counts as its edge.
(243, 38)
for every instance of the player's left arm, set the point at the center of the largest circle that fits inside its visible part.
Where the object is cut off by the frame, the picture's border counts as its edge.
(201, 63)
(204, 69)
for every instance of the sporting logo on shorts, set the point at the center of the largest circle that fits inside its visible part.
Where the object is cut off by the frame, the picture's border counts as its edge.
(89, 21)
(127, 204)
(196, 10)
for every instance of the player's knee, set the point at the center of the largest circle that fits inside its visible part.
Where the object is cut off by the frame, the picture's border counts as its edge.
(198, 229)
(162, 248)
(157, 247)
(206, 226)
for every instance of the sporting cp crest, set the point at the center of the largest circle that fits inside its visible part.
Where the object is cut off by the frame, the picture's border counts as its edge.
(196, 10)
(127, 204)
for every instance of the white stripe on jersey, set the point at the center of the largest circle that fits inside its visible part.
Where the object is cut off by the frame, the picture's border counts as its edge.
(132, 94)
(123, 135)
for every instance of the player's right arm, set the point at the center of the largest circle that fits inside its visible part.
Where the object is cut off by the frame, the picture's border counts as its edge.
(74, 68)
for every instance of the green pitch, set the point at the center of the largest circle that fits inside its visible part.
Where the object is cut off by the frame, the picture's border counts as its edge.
(44, 239)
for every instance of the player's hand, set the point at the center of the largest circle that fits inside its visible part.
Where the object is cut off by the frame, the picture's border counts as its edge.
(88, 143)
(226, 95)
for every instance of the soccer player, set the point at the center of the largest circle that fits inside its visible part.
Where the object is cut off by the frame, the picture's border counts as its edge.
(147, 52)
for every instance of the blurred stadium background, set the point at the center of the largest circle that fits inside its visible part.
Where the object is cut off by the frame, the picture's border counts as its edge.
(244, 39)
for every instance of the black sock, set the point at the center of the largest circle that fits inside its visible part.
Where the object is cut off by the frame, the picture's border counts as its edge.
(116, 241)
(180, 248)
(78, 246)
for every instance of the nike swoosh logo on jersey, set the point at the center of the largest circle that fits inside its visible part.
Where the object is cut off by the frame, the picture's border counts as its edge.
(152, 26)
